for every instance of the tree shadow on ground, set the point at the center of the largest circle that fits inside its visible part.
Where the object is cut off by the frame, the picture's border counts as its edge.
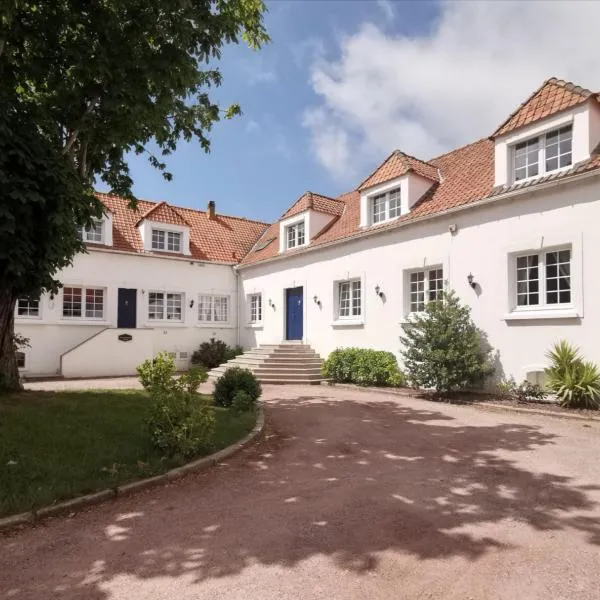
(344, 479)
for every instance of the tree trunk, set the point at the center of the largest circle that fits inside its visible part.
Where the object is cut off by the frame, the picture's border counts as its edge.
(9, 372)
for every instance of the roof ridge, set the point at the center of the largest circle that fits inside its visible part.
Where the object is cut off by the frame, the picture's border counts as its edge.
(483, 139)
(392, 153)
(425, 162)
(323, 196)
(178, 208)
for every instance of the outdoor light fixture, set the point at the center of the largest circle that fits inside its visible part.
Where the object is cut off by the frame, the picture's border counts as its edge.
(192, 303)
(270, 302)
(316, 300)
(471, 280)
(378, 291)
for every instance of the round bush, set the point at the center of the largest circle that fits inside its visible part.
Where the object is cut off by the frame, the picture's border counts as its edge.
(233, 380)
(364, 367)
(243, 402)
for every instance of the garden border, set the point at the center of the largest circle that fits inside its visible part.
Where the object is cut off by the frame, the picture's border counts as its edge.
(409, 393)
(35, 516)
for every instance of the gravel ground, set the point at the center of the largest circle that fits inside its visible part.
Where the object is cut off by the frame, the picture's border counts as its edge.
(351, 496)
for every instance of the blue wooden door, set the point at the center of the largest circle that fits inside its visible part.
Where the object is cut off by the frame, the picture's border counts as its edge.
(294, 323)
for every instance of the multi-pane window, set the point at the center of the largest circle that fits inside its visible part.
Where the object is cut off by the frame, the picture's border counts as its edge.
(255, 303)
(80, 302)
(165, 306)
(20, 359)
(385, 206)
(94, 232)
(425, 286)
(543, 154)
(28, 307)
(166, 240)
(349, 299)
(544, 278)
(213, 308)
(295, 235)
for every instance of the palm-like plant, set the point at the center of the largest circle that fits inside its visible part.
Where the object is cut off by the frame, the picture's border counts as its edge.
(575, 382)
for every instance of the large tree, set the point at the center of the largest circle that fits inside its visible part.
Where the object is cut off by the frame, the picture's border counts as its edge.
(84, 83)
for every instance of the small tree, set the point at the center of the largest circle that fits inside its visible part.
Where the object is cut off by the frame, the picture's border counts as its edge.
(443, 349)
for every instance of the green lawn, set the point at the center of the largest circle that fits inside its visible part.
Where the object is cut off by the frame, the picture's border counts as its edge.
(57, 445)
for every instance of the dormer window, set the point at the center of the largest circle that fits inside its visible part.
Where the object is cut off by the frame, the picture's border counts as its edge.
(168, 241)
(295, 235)
(385, 206)
(94, 232)
(543, 154)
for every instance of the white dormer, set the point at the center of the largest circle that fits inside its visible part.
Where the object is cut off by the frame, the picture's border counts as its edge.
(306, 218)
(164, 237)
(394, 188)
(390, 200)
(535, 142)
(100, 230)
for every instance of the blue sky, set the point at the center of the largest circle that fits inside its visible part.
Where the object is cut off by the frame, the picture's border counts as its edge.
(344, 82)
(260, 162)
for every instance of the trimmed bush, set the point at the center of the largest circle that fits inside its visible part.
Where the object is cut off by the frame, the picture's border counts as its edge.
(213, 353)
(243, 402)
(575, 382)
(190, 382)
(233, 380)
(443, 348)
(363, 367)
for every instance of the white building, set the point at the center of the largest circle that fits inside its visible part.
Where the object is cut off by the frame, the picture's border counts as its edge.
(505, 221)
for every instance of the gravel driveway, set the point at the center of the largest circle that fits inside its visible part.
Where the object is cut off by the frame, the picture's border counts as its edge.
(351, 496)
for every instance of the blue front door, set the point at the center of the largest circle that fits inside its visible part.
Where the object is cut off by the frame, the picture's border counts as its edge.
(295, 314)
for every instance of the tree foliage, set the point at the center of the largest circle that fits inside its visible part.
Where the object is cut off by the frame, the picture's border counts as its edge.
(84, 83)
(443, 349)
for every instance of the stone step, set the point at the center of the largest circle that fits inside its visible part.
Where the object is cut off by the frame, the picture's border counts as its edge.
(288, 371)
(290, 381)
(282, 362)
(297, 349)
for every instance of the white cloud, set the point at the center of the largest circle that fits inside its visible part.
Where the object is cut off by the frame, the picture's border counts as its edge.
(252, 126)
(429, 94)
(386, 8)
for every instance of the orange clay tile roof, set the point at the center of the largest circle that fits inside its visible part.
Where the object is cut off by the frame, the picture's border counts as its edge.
(163, 213)
(308, 200)
(553, 97)
(222, 239)
(398, 164)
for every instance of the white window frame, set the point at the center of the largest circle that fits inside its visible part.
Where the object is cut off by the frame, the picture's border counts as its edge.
(25, 299)
(167, 240)
(541, 140)
(542, 280)
(88, 234)
(207, 309)
(84, 306)
(346, 290)
(391, 202)
(18, 354)
(255, 313)
(427, 286)
(164, 318)
(295, 235)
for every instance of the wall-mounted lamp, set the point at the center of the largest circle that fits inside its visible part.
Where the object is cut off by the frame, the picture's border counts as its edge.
(316, 300)
(471, 280)
(270, 302)
(378, 291)
(192, 303)
(143, 292)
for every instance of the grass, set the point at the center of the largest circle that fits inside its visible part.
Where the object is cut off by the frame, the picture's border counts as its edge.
(58, 445)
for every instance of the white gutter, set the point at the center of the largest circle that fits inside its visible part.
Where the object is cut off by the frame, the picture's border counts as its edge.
(450, 211)
(183, 258)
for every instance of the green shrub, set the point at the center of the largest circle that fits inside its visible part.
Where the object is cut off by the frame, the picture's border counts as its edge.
(575, 382)
(181, 424)
(523, 392)
(232, 352)
(233, 380)
(443, 349)
(243, 402)
(363, 367)
(190, 382)
(213, 353)
(157, 373)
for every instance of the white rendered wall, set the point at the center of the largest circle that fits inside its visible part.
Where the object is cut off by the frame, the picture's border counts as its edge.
(52, 335)
(485, 236)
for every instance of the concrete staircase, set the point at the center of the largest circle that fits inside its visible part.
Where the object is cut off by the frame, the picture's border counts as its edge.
(277, 364)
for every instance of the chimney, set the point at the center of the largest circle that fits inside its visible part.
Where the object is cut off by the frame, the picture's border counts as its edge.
(211, 209)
